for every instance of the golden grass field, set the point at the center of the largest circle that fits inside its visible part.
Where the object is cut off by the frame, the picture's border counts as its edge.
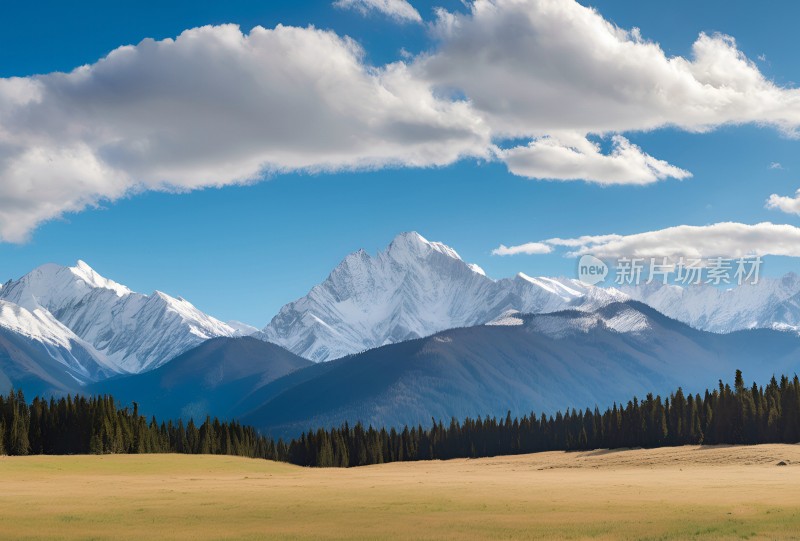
(676, 493)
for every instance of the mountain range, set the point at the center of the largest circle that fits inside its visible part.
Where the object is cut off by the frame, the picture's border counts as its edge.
(91, 328)
(416, 288)
(408, 333)
(771, 303)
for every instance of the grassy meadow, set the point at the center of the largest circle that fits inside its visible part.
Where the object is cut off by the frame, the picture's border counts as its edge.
(672, 493)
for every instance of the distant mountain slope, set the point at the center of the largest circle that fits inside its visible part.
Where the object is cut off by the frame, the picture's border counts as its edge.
(212, 378)
(412, 289)
(42, 356)
(525, 363)
(130, 331)
(772, 303)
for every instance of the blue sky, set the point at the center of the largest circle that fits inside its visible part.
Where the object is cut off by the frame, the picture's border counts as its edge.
(240, 252)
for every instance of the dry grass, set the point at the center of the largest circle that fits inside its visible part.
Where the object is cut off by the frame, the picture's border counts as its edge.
(683, 493)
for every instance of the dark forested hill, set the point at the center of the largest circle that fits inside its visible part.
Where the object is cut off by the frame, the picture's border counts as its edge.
(210, 379)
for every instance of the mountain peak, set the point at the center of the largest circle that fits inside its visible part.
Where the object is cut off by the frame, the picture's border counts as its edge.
(86, 273)
(410, 236)
(415, 244)
(356, 257)
(51, 285)
(412, 289)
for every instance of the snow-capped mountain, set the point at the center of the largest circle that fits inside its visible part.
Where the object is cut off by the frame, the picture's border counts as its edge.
(412, 289)
(86, 327)
(128, 332)
(772, 303)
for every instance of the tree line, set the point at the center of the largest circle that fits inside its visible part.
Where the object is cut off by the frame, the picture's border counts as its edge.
(98, 425)
(731, 415)
(738, 415)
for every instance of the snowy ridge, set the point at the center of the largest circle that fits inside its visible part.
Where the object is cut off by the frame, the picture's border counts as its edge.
(620, 318)
(128, 332)
(37, 325)
(56, 341)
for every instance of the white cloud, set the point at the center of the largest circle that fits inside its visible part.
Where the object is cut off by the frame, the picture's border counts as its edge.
(775, 165)
(726, 239)
(555, 71)
(790, 205)
(568, 157)
(539, 67)
(531, 248)
(214, 107)
(400, 10)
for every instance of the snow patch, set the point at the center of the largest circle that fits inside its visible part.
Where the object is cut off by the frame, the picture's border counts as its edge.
(509, 318)
(476, 269)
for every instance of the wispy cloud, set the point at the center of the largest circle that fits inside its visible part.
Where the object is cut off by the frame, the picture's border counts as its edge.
(573, 157)
(726, 239)
(529, 248)
(400, 10)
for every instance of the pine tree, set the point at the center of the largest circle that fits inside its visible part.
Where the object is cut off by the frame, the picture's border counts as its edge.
(18, 443)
